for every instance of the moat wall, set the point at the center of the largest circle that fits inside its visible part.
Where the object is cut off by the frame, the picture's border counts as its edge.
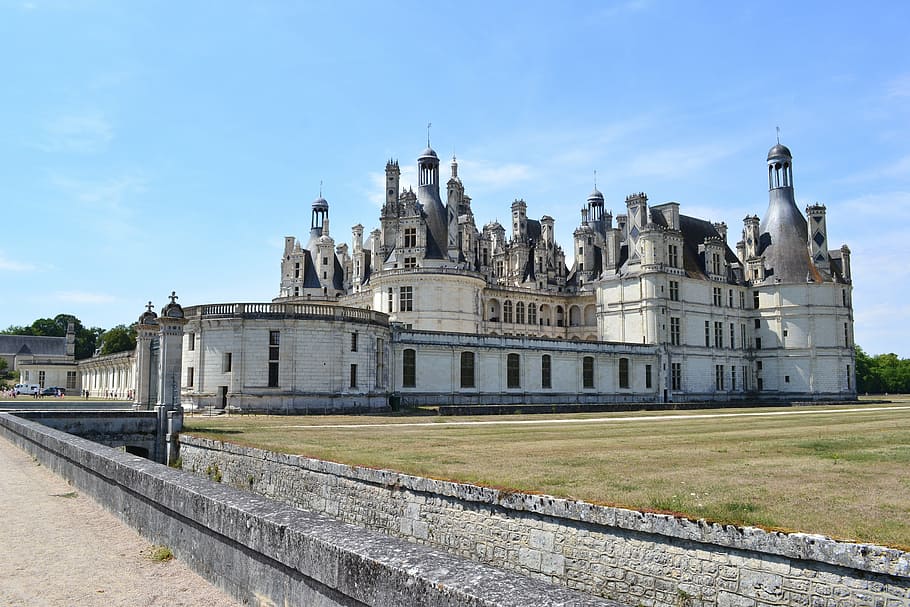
(268, 553)
(628, 556)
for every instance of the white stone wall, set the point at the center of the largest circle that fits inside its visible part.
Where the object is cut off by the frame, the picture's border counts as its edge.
(632, 557)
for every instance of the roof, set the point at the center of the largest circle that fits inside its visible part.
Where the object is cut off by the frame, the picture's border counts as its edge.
(11, 345)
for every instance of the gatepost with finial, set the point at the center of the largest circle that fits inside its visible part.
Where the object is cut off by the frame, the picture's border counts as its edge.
(146, 365)
(170, 360)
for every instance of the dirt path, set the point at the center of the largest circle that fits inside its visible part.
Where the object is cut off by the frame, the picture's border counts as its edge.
(59, 548)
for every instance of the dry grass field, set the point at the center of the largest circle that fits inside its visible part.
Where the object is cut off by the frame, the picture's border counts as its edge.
(840, 471)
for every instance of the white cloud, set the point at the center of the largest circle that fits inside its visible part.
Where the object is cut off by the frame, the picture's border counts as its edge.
(78, 132)
(81, 297)
(893, 205)
(12, 265)
(897, 169)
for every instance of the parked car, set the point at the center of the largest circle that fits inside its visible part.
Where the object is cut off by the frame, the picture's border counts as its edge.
(53, 391)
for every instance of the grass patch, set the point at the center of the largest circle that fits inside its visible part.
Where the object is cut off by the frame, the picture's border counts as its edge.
(818, 470)
(161, 554)
(69, 495)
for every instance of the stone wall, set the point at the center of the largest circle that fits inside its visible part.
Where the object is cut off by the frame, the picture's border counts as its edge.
(633, 557)
(266, 553)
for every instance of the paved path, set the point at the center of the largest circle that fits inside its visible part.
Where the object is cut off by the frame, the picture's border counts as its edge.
(600, 420)
(59, 548)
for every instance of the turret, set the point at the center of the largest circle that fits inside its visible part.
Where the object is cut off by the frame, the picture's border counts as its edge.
(818, 236)
(783, 234)
(638, 218)
(519, 220)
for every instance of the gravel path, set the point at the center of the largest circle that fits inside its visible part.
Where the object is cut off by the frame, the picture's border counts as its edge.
(59, 548)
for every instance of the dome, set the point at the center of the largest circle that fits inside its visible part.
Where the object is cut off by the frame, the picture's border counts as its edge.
(779, 151)
(429, 152)
(596, 195)
(148, 317)
(320, 203)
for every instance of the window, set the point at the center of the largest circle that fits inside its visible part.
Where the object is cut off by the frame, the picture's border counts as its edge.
(715, 263)
(513, 371)
(354, 341)
(757, 324)
(732, 377)
(380, 363)
(623, 372)
(41, 377)
(406, 299)
(507, 311)
(410, 237)
(410, 262)
(674, 290)
(843, 297)
(467, 369)
(647, 376)
(719, 377)
(742, 336)
(732, 335)
(227, 362)
(718, 296)
(673, 256)
(755, 300)
(189, 377)
(190, 341)
(676, 376)
(674, 331)
(409, 368)
(390, 299)
(532, 314)
(353, 375)
(546, 378)
(274, 343)
(846, 334)
(296, 270)
(70, 380)
(758, 343)
(587, 372)
(730, 298)
(849, 378)
(718, 335)
(742, 300)
(707, 334)
(786, 379)
(520, 313)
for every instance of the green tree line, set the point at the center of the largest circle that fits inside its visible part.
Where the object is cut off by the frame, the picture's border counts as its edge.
(88, 340)
(882, 373)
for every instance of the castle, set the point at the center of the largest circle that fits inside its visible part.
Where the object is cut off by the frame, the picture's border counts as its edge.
(430, 308)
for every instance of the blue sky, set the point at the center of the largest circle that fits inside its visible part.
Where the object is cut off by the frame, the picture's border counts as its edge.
(156, 146)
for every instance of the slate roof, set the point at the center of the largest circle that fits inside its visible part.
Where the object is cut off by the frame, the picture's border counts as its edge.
(12, 345)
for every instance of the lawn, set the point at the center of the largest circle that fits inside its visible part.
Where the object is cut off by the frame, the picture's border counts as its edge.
(823, 470)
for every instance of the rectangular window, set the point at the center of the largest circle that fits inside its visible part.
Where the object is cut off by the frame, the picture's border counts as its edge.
(410, 262)
(755, 300)
(353, 375)
(623, 372)
(189, 376)
(380, 363)
(410, 237)
(190, 341)
(707, 334)
(718, 335)
(757, 324)
(719, 377)
(676, 376)
(406, 299)
(70, 380)
(296, 270)
(532, 314)
(647, 376)
(674, 331)
(730, 298)
(732, 377)
(467, 369)
(674, 290)
(742, 299)
(732, 335)
(673, 256)
(390, 299)
(846, 334)
(758, 343)
(546, 378)
(354, 341)
(718, 297)
(409, 368)
(742, 336)
(227, 362)
(513, 371)
(41, 377)
(849, 379)
(274, 356)
(587, 372)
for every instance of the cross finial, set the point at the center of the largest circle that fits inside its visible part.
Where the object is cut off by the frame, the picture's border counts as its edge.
(174, 297)
(429, 124)
(149, 307)
(778, 135)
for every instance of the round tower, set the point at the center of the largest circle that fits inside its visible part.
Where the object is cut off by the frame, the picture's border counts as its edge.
(783, 234)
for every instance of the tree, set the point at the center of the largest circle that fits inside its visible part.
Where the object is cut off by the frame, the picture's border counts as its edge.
(4, 368)
(56, 327)
(118, 339)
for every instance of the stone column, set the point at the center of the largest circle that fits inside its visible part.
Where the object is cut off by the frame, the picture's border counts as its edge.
(146, 333)
(170, 362)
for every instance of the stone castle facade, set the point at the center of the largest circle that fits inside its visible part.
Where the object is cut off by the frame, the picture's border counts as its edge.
(657, 306)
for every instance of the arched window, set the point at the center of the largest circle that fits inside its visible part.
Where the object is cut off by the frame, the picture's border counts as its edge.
(520, 313)
(408, 368)
(507, 311)
(467, 369)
